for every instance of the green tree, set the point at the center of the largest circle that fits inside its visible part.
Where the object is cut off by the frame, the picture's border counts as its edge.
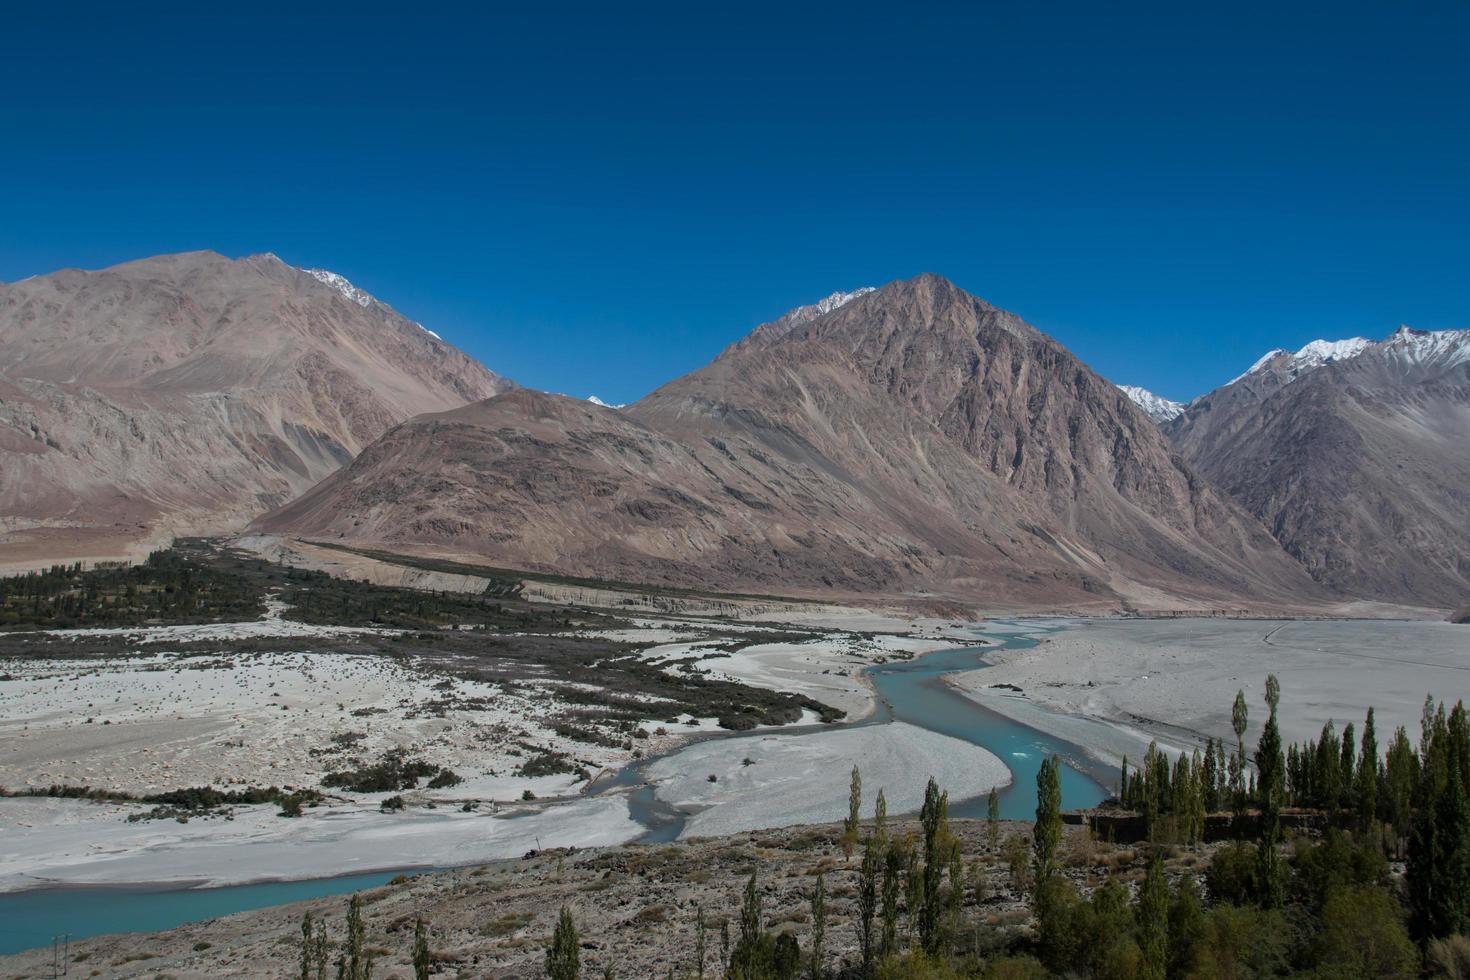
(1363, 935)
(1239, 718)
(357, 961)
(1366, 780)
(893, 875)
(867, 899)
(854, 813)
(1048, 830)
(1400, 777)
(1186, 925)
(934, 817)
(320, 951)
(880, 819)
(819, 929)
(992, 820)
(701, 942)
(1060, 923)
(1271, 787)
(1242, 941)
(422, 958)
(307, 936)
(753, 957)
(785, 958)
(564, 957)
(1153, 920)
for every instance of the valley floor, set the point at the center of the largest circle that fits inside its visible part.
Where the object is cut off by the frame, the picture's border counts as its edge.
(1110, 685)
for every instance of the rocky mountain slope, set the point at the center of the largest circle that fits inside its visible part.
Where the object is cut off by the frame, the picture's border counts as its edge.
(189, 393)
(1356, 455)
(907, 438)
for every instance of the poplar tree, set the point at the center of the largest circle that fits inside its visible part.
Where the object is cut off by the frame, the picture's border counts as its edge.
(357, 960)
(700, 942)
(422, 959)
(1048, 830)
(1271, 767)
(306, 938)
(992, 820)
(867, 899)
(934, 817)
(1367, 777)
(819, 929)
(854, 813)
(893, 874)
(1153, 920)
(564, 958)
(1239, 718)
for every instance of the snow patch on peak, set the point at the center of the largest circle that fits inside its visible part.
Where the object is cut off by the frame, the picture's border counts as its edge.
(341, 285)
(824, 306)
(427, 330)
(1445, 348)
(1261, 362)
(838, 299)
(598, 401)
(1313, 355)
(1319, 352)
(1155, 407)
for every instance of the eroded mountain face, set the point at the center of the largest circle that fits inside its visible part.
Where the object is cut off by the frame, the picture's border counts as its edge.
(189, 393)
(908, 438)
(1356, 455)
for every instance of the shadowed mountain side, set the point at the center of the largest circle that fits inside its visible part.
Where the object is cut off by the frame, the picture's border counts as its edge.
(1360, 467)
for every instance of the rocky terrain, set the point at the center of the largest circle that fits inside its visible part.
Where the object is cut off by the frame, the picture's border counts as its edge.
(186, 394)
(636, 908)
(1356, 455)
(908, 439)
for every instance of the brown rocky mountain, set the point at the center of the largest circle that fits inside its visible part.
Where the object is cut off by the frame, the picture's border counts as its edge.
(189, 393)
(909, 438)
(1356, 455)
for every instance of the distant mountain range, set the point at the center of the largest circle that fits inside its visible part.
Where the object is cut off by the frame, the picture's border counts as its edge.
(186, 394)
(909, 440)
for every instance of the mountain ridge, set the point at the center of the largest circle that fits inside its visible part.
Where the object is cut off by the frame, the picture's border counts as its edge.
(186, 393)
(911, 437)
(1356, 456)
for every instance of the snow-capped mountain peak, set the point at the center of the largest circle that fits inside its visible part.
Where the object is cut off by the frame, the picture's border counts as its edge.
(823, 306)
(829, 303)
(1444, 347)
(1320, 352)
(598, 401)
(1159, 409)
(341, 285)
(359, 296)
(1313, 355)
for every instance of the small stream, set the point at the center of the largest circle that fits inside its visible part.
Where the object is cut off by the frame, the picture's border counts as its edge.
(911, 691)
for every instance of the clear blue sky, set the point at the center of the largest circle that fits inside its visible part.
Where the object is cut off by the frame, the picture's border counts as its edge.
(596, 199)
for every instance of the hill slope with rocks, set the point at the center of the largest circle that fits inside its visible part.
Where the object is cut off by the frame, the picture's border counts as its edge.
(1356, 455)
(189, 393)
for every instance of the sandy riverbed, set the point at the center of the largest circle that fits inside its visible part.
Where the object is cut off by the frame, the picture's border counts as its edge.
(1110, 685)
(146, 722)
(779, 780)
(53, 842)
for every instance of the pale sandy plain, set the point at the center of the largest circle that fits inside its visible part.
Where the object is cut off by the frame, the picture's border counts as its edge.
(1110, 685)
(146, 722)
